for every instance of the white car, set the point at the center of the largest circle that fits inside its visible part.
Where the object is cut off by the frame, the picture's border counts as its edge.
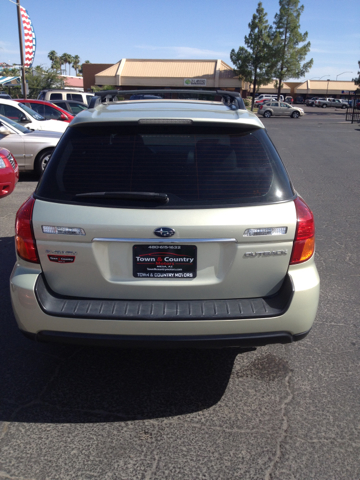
(32, 150)
(28, 118)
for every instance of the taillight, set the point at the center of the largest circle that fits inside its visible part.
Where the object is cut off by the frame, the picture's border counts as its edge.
(24, 236)
(304, 243)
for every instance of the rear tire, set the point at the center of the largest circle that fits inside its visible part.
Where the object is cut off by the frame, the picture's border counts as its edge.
(267, 114)
(295, 115)
(324, 105)
(41, 161)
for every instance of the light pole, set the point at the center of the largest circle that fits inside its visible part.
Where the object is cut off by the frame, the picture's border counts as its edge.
(342, 74)
(23, 81)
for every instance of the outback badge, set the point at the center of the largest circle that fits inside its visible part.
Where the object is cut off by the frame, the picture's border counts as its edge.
(164, 232)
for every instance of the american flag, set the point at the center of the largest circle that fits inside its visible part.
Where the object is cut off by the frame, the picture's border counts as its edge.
(30, 39)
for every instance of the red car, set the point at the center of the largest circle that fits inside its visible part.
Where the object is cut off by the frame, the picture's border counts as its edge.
(47, 109)
(9, 172)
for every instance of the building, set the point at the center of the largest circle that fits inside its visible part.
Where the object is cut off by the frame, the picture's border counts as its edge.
(312, 88)
(131, 74)
(89, 70)
(270, 88)
(325, 88)
(73, 83)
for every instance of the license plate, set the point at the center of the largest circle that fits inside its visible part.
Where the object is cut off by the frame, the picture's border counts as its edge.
(164, 261)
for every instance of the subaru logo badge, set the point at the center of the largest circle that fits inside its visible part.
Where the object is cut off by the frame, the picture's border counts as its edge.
(164, 232)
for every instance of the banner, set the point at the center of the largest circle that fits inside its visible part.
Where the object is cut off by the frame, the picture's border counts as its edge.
(30, 39)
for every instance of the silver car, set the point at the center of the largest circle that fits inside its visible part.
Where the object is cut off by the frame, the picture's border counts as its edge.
(31, 149)
(165, 222)
(279, 109)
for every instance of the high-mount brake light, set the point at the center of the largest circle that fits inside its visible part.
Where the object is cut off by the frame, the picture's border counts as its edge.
(304, 243)
(24, 235)
(165, 121)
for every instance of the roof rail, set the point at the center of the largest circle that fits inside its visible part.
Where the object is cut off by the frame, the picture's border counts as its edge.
(232, 99)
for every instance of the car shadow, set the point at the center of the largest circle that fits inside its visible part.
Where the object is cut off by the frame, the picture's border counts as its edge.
(62, 383)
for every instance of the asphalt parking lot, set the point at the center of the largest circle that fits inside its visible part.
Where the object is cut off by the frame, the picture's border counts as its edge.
(278, 413)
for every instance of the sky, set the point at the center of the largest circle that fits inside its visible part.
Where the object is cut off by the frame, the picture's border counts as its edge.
(105, 32)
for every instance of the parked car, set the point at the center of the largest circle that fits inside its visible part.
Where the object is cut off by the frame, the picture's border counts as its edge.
(27, 117)
(71, 106)
(299, 100)
(279, 109)
(9, 172)
(165, 222)
(48, 110)
(31, 149)
(357, 103)
(289, 100)
(330, 102)
(5, 95)
(50, 95)
(266, 97)
(310, 102)
(340, 104)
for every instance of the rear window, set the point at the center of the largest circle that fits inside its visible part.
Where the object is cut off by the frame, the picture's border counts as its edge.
(195, 166)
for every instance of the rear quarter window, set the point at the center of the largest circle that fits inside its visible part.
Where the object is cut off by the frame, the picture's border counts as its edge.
(197, 166)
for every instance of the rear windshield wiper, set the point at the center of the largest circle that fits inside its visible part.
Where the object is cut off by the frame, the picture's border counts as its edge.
(147, 196)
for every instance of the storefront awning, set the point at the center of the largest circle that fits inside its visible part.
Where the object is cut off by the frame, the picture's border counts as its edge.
(9, 80)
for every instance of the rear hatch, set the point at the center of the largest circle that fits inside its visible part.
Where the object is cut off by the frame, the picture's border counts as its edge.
(164, 212)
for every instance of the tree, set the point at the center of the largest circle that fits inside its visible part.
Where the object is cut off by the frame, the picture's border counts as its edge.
(65, 59)
(287, 53)
(10, 72)
(357, 79)
(56, 65)
(70, 61)
(254, 64)
(76, 63)
(41, 79)
(54, 58)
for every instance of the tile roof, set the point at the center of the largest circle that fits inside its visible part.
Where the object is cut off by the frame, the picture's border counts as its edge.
(73, 82)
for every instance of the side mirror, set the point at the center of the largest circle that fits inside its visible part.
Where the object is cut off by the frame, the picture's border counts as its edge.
(63, 117)
(24, 119)
(5, 131)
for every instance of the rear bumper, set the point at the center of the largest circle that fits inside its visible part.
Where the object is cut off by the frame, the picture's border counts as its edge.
(163, 310)
(282, 318)
(196, 341)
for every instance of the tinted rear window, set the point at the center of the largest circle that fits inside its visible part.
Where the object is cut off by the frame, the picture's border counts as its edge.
(196, 166)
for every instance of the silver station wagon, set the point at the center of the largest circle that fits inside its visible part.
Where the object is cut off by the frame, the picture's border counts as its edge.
(273, 107)
(165, 222)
